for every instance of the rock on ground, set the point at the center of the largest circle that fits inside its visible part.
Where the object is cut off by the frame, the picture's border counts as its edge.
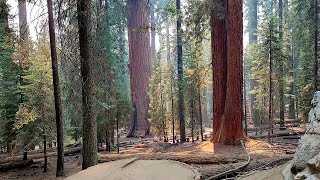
(309, 147)
(306, 161)
(132, 169)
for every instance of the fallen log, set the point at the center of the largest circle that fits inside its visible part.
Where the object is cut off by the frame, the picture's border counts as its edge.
(275, 135)
(291, 137)
(40, 155)
(73, 151)
(15, 164)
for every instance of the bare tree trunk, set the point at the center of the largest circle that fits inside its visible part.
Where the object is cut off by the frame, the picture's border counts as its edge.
(23, 24)
(24, 33)
(200, 113)
(57, 94)
(153, 33)
(228, 128)
(281, 73)
(219, 65)
(45, 167)
(140, 65)
(171, 80)
(316, 34)
(253, 38)
(180, 76)
(89, 151)
(270, 81)
(233, 107)
(108, 139)
(192, 116)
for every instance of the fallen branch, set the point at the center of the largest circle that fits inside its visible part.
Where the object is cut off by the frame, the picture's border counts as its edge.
(17, 164)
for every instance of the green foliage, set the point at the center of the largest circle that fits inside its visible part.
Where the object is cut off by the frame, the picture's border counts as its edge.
(158, 97)
(37, 110)
(9, 86)
(268, 48)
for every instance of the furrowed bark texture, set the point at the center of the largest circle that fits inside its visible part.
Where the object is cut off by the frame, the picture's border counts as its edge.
(89, 153)
(57, 94)
(140, 64)
(180, 77)
(228, 77)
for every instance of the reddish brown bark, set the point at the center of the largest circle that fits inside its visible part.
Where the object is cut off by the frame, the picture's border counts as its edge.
(227, 67)
(219, 65)
(140, 64)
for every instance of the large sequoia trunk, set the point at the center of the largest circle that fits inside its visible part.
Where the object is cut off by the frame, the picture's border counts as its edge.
(140, 65)
(227, 67)
(90, 148)
(219, 62)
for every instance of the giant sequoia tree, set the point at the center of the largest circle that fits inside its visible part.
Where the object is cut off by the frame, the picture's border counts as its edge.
(140, 64)
(227, 68)
(89, 151)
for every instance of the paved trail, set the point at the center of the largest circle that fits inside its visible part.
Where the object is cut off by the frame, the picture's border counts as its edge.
(132, 169)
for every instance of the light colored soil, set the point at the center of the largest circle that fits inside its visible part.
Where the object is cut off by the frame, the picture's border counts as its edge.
(131, 169)
(270, 174)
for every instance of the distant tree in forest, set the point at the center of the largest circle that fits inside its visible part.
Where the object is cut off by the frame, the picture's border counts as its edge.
(180, 74)
(140, 65)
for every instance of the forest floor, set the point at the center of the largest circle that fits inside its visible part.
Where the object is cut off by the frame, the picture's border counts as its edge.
(206, 158)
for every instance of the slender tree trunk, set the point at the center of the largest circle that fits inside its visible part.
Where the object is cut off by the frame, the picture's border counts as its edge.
(45, 167)
(316, 34)
(24, 33)
(281, 74)
(291, 113)
(253, 38)
(118, 117)
(140, 65)
(89, 150)
(112, 132)
(270, 80)
(180, 76)
(57, 94)
(200, 113)
(192, 118)
(171, 80)
(108, 139)
(23, 24)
